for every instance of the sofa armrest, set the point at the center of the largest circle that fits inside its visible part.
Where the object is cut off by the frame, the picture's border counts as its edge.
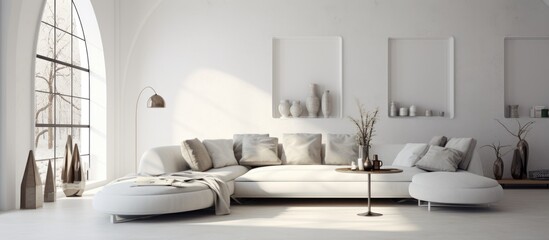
(160, 160)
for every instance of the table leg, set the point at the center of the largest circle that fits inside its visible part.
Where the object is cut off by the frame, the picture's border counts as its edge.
(369, 213)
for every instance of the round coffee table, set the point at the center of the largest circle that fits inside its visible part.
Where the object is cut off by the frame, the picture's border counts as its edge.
(380, 171)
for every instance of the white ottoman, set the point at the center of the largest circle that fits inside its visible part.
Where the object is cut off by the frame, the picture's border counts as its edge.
(454, 188)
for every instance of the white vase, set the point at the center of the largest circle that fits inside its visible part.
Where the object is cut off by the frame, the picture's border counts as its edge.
(284, 108)
(412, 111)
(296, 109)
(393, 110)
(326, 104)
(313, 102)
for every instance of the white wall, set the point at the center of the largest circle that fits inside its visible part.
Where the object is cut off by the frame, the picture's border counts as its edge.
(211, 60)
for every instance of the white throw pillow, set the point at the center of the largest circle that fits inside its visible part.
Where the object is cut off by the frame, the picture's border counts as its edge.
(221, 152)
(440, 159)
(410, 154)
(259, 151)
(237, 143)
(466, 146)
(341, 149)
(302, 149)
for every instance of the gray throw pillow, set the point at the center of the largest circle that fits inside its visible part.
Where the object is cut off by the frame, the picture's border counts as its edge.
(440, 159)
(341, 149)
(438, 141)
(221, 152)
(466, 146)
(259, 151)
(302, 149)
(237, 143)
(196, 155)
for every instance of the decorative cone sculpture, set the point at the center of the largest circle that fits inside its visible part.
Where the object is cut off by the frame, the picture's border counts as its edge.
(74, 182)
(49, 188)
(31, 186)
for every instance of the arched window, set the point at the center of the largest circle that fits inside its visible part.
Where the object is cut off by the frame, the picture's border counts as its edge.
(62, 87)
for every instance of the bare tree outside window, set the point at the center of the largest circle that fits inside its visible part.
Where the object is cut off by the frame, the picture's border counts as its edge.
(62, 99)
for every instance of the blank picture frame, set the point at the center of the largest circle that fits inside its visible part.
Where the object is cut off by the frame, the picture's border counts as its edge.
(421, 73)
(299, 61)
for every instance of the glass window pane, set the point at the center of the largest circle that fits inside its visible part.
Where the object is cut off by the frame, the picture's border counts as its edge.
(81, 136)
(63, 14)
(44, 76)
(43, 169)
(63, 79)
(44, 108)
(81, 112)
(63, 46)
(58, 168)
(61, 141)
(79, 55)
(85, 160)
(80, 83)
(44, 143)
(46, 41)
(76, 27)
(63, 109)
(48, 12)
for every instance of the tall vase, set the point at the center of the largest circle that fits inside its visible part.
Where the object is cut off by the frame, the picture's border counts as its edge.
(363, 153)
(296, 109)
(516, 165)
(523, 148)
(284, 108)
(498, 168)
(313, 102)
(326, 104)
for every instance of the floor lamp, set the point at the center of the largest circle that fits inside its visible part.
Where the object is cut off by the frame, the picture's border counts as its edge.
(155, 101)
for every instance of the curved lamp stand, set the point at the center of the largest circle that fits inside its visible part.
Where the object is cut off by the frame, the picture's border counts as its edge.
(155, 101)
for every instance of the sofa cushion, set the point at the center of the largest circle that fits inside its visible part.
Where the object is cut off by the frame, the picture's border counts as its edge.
(440, 159)
(341, 149)
(438, 141)
(321, 173)
(237, 143)
(466, 146)
(228, 173)
(259, 151)
(302, 149)
(196, 155)
(221, 152)
(410, 154)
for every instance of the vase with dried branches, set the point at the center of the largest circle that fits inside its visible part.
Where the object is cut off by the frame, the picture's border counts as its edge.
(519, 165)
(365, 126)
(498, 163)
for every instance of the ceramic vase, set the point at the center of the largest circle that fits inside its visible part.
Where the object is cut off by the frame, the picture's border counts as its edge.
(516, 165)
(363, 153)
(284, 108)
(313, 102)
(498, 169)
(326, 104)
(296, 109)
(392, 110)
(523, 148)
(77, 180)
(49, 187)
(412, 111)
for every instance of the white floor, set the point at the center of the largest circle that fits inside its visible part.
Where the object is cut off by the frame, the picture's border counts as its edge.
(523, 214)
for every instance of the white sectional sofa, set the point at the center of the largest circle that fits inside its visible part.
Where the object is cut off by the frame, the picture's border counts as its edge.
(282, 181)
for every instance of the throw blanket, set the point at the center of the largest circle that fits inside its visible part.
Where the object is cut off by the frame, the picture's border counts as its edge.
(222, 199)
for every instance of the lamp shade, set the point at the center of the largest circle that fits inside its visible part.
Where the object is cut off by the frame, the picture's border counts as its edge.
(156, 101)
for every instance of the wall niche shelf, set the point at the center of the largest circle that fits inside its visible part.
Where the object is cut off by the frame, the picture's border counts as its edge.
(526, 73)
(300, 61)
(421, 73)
